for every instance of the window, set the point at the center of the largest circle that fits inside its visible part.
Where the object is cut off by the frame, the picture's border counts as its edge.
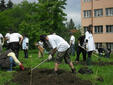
(109, 45)
(85, 29)
(98, 29)
(109, 28)
(87, 13)
(98, 12)
(109, 11)
(98, 45)
(86, 0)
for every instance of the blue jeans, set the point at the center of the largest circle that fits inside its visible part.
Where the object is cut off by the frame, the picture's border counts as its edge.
(11, 63)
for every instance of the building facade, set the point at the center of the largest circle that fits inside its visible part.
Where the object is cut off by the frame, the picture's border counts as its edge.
(99, 13)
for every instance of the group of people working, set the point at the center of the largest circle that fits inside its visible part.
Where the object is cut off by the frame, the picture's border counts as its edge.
(62, 48)
(57, 44)
(9, 57)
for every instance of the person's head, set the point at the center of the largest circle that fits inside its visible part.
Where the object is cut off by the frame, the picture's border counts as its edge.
(90, 28)
(12, 30)
(43, 38)
(25, 35)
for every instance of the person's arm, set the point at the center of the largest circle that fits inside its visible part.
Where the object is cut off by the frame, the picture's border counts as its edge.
(53, 51)
(21, 38)
(2, 40)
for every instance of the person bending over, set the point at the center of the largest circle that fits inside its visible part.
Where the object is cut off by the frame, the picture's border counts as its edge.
(7, 59)
(61, 48)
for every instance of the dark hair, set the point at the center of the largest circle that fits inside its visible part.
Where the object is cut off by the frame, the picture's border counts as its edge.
(90, 26)
(43, 37)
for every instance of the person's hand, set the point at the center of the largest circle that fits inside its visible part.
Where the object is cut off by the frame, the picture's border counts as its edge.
(50, 57)
(79, 44)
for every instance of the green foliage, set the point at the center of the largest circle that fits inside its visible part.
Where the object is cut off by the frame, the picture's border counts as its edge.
(34, 19)
(52, 15)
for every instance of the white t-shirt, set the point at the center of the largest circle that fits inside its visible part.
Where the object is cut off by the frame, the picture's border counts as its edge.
(14, 37)
(8, 37)
(58, 42)
(41, 44)
(24, 43)
(72, 40)
(89, 37)
(1, 36)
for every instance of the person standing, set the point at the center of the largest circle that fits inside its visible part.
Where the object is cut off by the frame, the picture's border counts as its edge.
(40, 47)
(25, 45)
(1, 41)
(90, 46)
(15, 42)
(72, 44)
(7, 37)
(61, 48)
(80, 48)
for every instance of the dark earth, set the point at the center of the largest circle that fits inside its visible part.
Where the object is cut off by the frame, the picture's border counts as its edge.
(100, 63)
(48, 77)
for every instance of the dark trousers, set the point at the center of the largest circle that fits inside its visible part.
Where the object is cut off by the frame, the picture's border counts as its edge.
(89, 54)
(26, 53)
(14, 46)
(72, 47)
(88, 61)
(8, 46)
(79, 51)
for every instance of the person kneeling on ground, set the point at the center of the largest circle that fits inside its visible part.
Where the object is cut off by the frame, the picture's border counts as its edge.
(61, 48)
(7, 60)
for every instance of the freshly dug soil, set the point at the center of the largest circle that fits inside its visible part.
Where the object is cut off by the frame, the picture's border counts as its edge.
(48, 77)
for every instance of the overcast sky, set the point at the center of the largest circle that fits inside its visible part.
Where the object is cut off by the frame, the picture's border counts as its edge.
(72, 9)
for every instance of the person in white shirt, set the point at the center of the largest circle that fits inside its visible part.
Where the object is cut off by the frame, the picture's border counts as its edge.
(1, 41)
(7, 37)
(61, 48)
(40, 47)
(15, 42)
(90, 46)
(25, 44)
(72, 44)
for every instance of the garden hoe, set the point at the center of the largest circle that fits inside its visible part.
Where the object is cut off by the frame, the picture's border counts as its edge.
(37, 65)
(86, 51)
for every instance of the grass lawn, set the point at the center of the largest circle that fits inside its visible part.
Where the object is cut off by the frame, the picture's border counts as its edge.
(104, 71)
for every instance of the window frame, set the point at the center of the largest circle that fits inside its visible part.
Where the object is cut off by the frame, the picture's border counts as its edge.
(98, 29)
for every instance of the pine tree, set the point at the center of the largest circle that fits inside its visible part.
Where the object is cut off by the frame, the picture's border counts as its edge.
(2, 5)
(71, 24)
(9, 4)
